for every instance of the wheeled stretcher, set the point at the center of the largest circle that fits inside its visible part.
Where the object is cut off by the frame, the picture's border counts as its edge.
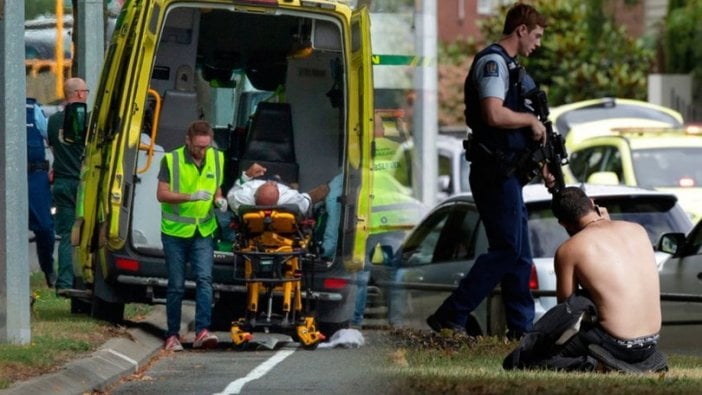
(274, 245)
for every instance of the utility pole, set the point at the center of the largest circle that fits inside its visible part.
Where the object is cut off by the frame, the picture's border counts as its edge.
(14, 263)
(426, 105)
(58, 49)
(90, 47)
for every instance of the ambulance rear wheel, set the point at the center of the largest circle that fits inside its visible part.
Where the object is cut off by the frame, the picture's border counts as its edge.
(107, 311)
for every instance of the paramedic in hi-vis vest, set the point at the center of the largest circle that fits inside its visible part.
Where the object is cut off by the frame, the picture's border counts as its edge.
(189, 190)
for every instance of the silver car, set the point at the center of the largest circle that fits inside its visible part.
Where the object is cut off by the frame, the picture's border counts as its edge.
(681, 277)
(438, 252)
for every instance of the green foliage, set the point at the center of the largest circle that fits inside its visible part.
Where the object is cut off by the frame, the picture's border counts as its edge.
(452, 69)
(35, 8)
(584, 54)
(681, 34)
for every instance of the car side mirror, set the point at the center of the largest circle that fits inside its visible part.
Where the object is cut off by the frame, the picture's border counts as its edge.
(74, 123)
(671, 243)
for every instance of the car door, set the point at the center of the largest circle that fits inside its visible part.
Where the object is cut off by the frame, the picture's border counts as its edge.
(437, 255)
(682, 274)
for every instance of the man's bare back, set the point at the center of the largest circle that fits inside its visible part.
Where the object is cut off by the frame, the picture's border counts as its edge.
(614, 261)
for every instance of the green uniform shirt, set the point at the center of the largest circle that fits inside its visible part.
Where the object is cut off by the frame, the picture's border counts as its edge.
(67, 156)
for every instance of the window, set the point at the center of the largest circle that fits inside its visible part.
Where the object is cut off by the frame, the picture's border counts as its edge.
(585, 162)
(449, 234)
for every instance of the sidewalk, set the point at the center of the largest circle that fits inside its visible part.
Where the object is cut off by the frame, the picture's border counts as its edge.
(115, 359)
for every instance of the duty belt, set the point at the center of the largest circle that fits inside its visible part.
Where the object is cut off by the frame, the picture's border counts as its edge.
(38, 166)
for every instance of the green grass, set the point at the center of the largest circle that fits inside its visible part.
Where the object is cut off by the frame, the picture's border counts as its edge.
(57, 336)
(428, 367)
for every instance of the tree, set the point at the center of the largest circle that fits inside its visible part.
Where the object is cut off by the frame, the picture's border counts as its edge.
(35, 8)
(584, 55)
(681, 35)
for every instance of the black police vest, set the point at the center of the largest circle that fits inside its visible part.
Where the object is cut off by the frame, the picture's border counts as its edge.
(36, 151)
(508, 142)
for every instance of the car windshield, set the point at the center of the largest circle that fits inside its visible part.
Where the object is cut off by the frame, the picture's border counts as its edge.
(608, 110)
(657, 214)
(668, 167)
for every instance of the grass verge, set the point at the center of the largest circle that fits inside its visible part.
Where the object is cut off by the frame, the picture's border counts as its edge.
(57, 336)
(427, 363)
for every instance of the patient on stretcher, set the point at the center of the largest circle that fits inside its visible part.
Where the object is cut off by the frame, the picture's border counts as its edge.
(252, 191)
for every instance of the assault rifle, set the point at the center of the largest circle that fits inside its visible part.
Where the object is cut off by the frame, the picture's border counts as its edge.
(552, 154)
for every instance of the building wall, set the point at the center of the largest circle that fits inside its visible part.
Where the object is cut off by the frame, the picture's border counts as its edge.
(459, 18)
(655, 11)
(632, 16)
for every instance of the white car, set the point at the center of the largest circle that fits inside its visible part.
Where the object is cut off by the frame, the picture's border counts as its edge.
(680, 277)
(440, 250)
(453, 168)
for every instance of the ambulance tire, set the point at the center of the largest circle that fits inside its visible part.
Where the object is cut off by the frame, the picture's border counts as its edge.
(107, 311)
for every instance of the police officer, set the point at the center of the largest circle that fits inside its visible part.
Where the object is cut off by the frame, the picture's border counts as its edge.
(40, 220)
(495, 89)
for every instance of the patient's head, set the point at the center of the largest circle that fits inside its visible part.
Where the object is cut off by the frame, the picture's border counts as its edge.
(267, 194)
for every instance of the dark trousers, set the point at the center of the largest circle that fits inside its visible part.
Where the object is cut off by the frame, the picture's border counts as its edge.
(508, 260)
(40, 220)
(593, 334)
(64, 191)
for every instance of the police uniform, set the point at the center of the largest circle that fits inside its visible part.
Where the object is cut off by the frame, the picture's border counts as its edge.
(498, 196)
(40, 220)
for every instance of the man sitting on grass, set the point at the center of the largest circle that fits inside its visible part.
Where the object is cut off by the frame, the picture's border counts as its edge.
(607, 286)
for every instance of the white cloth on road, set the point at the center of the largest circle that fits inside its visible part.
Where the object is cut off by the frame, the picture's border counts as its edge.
(345, 338)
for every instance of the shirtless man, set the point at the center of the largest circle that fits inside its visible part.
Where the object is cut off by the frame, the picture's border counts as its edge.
(614, 263)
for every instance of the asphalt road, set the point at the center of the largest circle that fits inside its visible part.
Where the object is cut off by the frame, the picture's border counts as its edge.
(286, 369)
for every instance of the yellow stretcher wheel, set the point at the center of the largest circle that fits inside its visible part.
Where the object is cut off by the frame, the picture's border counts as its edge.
(308, 335)
(239, 336)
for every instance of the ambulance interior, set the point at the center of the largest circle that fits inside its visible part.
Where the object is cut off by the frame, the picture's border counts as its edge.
(271, 86)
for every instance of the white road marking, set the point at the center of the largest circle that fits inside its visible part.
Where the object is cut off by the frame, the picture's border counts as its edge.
(235, 387)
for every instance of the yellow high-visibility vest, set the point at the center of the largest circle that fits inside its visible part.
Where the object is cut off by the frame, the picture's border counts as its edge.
(181, 220)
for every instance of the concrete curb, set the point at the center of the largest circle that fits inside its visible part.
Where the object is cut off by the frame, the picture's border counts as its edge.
(117, 358)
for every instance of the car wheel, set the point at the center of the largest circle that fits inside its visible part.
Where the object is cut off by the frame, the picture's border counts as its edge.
(79, 305)
(227, 309)
(107, 311)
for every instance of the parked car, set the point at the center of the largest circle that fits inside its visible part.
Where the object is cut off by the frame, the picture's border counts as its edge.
(680, 275)
(667, 159)
(440, 250)
(452, 166)
(628, 111)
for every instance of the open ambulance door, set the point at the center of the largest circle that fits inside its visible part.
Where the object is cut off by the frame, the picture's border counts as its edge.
(360, 129)
(102, 182)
